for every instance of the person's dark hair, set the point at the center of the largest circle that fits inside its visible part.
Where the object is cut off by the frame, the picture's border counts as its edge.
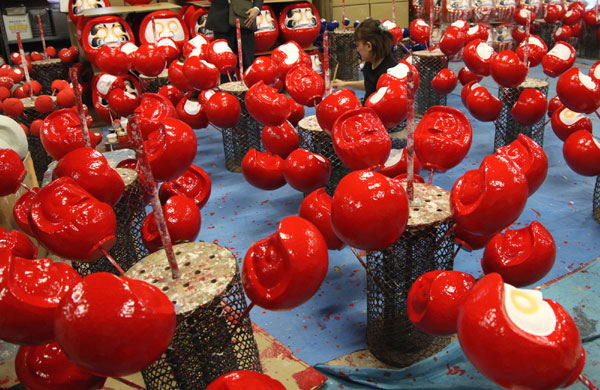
(371, 30)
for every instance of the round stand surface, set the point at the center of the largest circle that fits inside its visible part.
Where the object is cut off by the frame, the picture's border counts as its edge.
(46, 71)
(212, 338)
(429, 63)
(426, 245)
(237, 141)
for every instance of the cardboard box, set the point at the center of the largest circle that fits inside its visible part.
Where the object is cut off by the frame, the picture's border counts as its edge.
(384, 11)
(353, 12)
(17, 23)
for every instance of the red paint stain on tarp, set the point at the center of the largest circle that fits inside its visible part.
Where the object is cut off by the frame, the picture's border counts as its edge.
(537, 212)
(309, 379)
(264, 201)
(455, 370)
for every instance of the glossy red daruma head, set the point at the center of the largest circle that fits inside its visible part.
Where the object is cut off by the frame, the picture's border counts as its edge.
(553, 105)
(18, 244)
(578, 91)
(47, 367)
(530, 107)
(200, 74)
(116, 335)
(530, 157)
(296, 112)
(483, 105)
(172, 93)
(390, 104)
(196, 47)
(419, 31)
(177, 78)
(360, 139)
(517, 339)
(171, 149)
(445, 81)
(61, 133)
(31, 291)
(442, 138)
(266, 106)
(70, 222)
(465, 76)
(470, 241)
(397, 163)
(285, 269)
(306, 171)
(434, 300)
(150, 60)
(263, 170)
(193, 183)
(399, 73)
(12, 172)
(305, 85)
(281, 140)
(595, 71)
(582, 153)
(477, 55)
(369, 210)
(183, 221)
(490, 198)
(192, 112)
(565, 122)
(263, 69)
(245, 380)
(507, 69)
(90, 169)
(299, 22)
(334, 105)
(223, 110)
(122, 102)
(537, 50)
(466, 90)
(559, 59)
(287, 56)
(522, 257)
(220, 54)
(554, 13)
(152, 112)
(316, 208)
(21, 210)
(452, 41)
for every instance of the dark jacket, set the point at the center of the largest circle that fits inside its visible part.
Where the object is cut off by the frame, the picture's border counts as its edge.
(218, 15)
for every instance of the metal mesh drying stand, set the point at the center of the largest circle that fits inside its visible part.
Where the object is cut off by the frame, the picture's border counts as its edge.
(314, 139)
(209, 300)
(507, 128)
(343, 55)
(130, 212)
(590, 46)
(41, 159)
(429, 64)
(426, 245)
(245, 136)
(153, 84)
(46, 71)
(546, 32)
(597, 200)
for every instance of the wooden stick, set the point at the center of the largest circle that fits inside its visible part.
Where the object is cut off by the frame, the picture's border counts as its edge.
(112, 261)
(526, 51)
(129, 383)
(410, 136)
(430, 177)
(587, 382)
(335, 70)
(430, 24)
(326, 62)
(39, 19)
(24, 64)
(154, 34)
(144, 164)
(73, 74)
(394, 11)
(29, 189)
(238, 32)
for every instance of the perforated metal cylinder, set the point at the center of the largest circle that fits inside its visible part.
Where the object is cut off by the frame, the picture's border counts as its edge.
(596, 209)
(426, 245)
(237, 141)
(46, 71)
(589, 46)
(507, 128)
(546, 32)
(211, 337)
(153, 84)
(314, 139)
(130, 212)
(429, 64)
(343, 55)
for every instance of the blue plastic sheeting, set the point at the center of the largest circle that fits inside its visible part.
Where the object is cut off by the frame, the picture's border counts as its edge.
(333, 322)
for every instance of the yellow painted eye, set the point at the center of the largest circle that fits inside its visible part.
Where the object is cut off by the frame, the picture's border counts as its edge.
(269, 17)
(173, 26)
(523, 302)
(102, 32)
(117, 30)
(159, 27)
(568, 113)
(297, 16)
(91, 3)
(308, 13)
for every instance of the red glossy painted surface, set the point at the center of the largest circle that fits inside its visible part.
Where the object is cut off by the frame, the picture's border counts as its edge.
(268, 30)
(21, 210)
(172, 93)
(360, 139)
(102, 31)
(281, 140)
(582, 153)
(177, 78)
(266, 105)
(470, 241)
(390, 104)
(12, 172)
(192, 112)
(396, 164)
(590, 18)
(334, 105)
(530, 158)
(465, 76)
(18, 243)
(223, 110)
(114, 334)
(553, 105)
(305, 28)
(554, 13)
(562, 33)
(149, 60)
(572, 16)
(46, 367)
(152, 112)
(285, 269)
(200, 74)
(305, 85)
(90, 169)
(578, 91)
(196, 46)
(220, 54)
(419, 31)
(316, 208)
(474, 61)
(445, 81)
(171, 30)
(61, 133)
(399, 73)
(171, 149)
(306, 171)
(507, 69)
(263, 170)
(261, 69)
(112, 60)
(595, 71)
(287, 56)
(296, 112)
(369, 210)
(530, 107)
(237, 380)
(510, 356)
(555, 63)
(522, 257)
(434, 300)
(565, 122)
(183, 220)
(483, 105)
(442, 138)
(70, 222)
(522, 15)
(123, 103)
(193, 183)
(403, 178)
(30, 293)
(132, 163)
(488, 199)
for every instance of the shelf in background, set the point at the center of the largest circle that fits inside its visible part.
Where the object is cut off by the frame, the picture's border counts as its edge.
(206, 3)
(49, 38)
(93, 12)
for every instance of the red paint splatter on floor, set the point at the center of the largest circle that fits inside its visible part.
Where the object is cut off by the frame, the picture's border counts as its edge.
(264, 201)
(537, 212)
(455, 370)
